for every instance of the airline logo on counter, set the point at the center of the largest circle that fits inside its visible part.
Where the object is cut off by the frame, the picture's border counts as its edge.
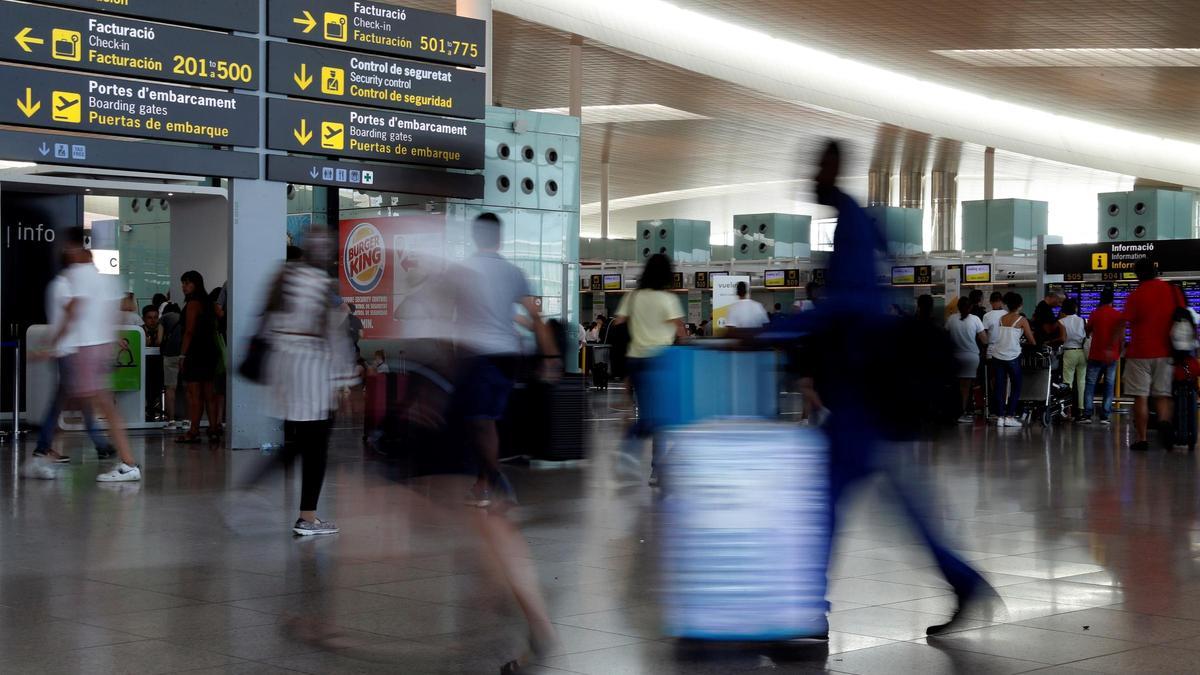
(365, 259)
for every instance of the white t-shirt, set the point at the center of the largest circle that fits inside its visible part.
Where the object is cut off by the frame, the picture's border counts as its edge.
(991, 321)
(963, 332)
(1076, 331)
(99, 303)
(747, 314)
(56, 300)
(131, 319)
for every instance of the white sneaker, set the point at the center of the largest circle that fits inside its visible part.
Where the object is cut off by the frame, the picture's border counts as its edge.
(40, 469)
(122, 474)
(966, 419)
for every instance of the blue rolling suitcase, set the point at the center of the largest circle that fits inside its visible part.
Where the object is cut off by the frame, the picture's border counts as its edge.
(745, 531)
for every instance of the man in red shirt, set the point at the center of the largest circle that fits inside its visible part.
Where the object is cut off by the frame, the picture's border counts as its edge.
(1104, 325)
(1149, 312)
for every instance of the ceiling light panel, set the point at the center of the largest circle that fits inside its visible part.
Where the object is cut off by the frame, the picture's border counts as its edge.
(619, 114)
(1075, 58)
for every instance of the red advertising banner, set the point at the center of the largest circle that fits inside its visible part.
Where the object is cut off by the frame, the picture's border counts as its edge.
(385, 263)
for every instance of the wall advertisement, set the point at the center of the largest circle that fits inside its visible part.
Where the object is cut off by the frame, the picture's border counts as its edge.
(724, 295)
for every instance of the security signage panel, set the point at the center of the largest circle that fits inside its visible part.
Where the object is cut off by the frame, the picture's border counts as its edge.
(346, 77)
(339, 131)
(241, 15)
(1115, 260)
(63, 38)
(108, 153)
(374, 177)
(89, 103)
(379, 27)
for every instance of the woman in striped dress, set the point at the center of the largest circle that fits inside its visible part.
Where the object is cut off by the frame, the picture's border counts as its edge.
(311, 360)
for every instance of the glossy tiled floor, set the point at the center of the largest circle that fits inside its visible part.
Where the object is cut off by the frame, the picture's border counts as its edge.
(1093, 550)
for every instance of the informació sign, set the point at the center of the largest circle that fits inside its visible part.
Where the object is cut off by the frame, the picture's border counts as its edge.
(379, 27)
(1114, 259)
(104, 44)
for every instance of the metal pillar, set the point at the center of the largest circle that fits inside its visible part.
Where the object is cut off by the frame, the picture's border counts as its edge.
(576, 103)
(943, 202)
(879, 187)
(604, 200)
(989, 173)
(482, 10)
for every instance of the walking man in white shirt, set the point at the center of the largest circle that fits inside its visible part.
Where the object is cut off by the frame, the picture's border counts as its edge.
(746, 314)
(87, 331)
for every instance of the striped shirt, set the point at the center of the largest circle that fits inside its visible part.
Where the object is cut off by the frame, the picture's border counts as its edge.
(311, 355)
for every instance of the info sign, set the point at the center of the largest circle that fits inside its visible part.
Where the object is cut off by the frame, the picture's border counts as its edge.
(374, 134)
(348, 77)
(379, 27)
(61, 100)
(104, 44)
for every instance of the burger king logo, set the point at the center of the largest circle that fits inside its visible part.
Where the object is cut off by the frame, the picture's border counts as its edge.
(364, 260)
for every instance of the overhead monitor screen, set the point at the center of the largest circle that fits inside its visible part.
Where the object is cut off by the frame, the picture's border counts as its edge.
(977, 273)
(904, 276)
(774, 279)
(612, 282)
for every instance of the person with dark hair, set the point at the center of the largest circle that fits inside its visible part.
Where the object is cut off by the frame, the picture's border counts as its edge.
(777, 311)
(198, 356)
(154, 359)
(1149, 312)
(1072, 333)
(171, 318)
(746, 314)
(1005, 344)
(354, 325)
(925, 307)
(967, 334)
(811, 291)
(87, 331)
(654, 317)
(1045, 319)
(1104, 327)
(976, 299)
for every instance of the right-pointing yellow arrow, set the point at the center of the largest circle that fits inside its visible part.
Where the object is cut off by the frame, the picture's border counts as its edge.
(303, 135)
(25, 39)
(307, 21)
(303, 79)
(29, 106)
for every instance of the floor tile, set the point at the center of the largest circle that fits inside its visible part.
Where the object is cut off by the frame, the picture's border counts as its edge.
(179, 622)
(1118, 624)
(905, 657)
(1156, 659)
(889, 622)
(1032, 644)
(879, 592)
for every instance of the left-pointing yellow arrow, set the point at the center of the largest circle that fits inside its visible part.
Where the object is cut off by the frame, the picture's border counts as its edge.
(29, 106)
(25, 39)
(303, 79)
(307, 21)
(303, 135)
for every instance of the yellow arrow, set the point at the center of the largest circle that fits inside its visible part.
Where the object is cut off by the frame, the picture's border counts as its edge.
(308, 21)
(303, 79)
(24, 39)
(302, 134)
(29, 106)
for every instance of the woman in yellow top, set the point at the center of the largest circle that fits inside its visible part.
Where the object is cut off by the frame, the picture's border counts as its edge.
(655, 320)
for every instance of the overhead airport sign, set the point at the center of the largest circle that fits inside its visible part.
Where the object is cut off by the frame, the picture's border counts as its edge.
(107, 153)
(374, 177)
(1114, 259)
(348, 77)
(87, 103)
(323, 129)
(379, 27)
(58, 37)
(240, 15)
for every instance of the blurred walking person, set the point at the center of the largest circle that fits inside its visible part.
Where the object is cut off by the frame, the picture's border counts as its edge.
(1150, 311)
(198, 356)
(311, 358)
(654, 319)
(86, 333)
(57, 295)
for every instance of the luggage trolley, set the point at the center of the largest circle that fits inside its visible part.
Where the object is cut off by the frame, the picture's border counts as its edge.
(1044, 396)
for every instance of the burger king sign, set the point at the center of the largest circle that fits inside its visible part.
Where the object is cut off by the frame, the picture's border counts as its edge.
(364, 258)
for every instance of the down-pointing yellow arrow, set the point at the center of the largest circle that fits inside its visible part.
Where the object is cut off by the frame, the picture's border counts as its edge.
(303, 135)
(303, 79)
(25, 39)
(308, 21)
(29, 106)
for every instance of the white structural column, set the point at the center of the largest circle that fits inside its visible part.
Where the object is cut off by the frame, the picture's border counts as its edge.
(482, 10)
(576, 102)
(604, 199)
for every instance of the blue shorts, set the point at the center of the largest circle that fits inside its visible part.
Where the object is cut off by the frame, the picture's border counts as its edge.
(484, 387)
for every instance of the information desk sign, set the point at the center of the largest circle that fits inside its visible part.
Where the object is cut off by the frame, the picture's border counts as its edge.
(62, 38)
(335, 130)
(347, 77)
(88, 103)
(379, 27)
(1116, 259)
(374, 177)
(110, 153)
(240, 15)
